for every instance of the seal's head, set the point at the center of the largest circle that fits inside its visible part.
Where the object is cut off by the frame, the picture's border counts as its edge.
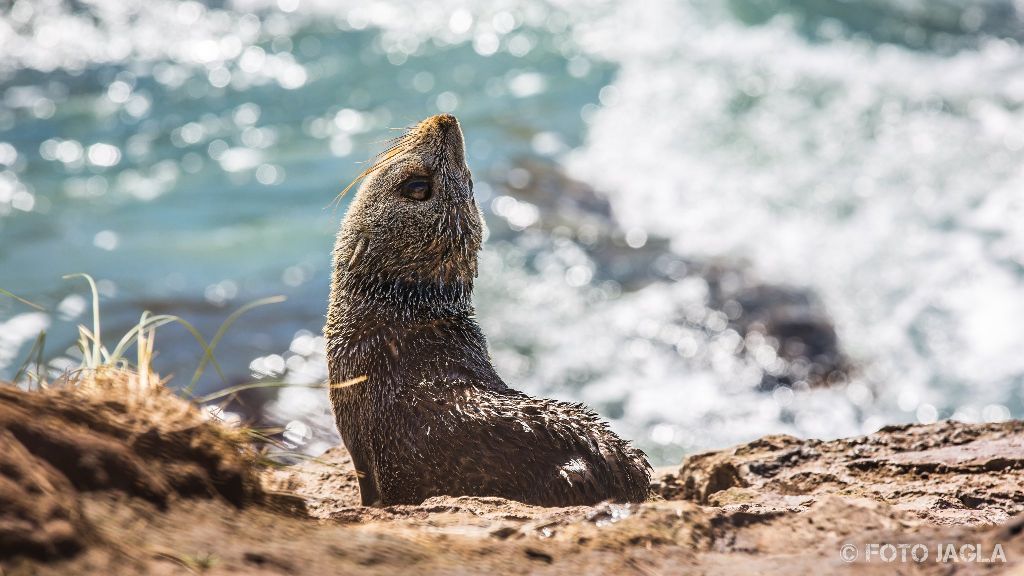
(414, 218)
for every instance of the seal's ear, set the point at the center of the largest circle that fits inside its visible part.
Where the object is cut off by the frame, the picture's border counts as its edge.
(357, 252)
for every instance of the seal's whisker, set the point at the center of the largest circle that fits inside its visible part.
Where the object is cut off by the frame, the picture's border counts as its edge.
(396, 142)
(392, 141)
(390, 144)
(378, 161)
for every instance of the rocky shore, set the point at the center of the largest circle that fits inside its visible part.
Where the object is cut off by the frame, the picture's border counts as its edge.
(117, 479)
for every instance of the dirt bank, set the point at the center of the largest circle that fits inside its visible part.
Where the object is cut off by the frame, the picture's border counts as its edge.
(102, 482)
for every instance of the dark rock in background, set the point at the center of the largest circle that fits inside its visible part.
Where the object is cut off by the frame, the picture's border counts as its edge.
(790, 319)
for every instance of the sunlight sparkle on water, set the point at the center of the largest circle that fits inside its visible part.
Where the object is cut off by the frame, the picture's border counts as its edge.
(882, 173)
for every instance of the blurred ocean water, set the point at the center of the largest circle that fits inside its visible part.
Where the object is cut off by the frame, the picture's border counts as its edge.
(871, 152)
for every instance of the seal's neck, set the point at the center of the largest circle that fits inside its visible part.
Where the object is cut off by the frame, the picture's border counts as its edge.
(365, 302)
(383, 300)
(393, 330)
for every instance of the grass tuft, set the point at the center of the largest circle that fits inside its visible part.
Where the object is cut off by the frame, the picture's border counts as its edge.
(112, 375)
(95, 356)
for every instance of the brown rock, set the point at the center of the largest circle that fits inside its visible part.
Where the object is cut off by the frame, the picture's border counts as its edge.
(945, 473)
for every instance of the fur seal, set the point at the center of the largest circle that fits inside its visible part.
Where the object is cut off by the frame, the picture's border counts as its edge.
(432, 416)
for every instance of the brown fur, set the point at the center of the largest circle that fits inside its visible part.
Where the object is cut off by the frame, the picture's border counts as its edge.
(433, 417)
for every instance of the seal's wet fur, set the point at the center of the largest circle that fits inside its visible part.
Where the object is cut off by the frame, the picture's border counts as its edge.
(433, 417)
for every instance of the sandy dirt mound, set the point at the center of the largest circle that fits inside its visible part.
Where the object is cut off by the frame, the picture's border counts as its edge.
(101, 482)
(775, 505)
(109, 436)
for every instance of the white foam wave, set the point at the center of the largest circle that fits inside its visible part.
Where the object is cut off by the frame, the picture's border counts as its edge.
(889, 180)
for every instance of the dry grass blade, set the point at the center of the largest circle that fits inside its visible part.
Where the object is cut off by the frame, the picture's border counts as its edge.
(144, 356)
(347, 383)
(272, 384)
(195, 564)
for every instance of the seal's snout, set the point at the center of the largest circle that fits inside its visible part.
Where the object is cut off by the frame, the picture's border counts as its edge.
(444, 121)
(446, 134)
(443, 125)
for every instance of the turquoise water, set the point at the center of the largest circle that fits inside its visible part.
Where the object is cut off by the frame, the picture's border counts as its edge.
(870, 152)
(173, 227)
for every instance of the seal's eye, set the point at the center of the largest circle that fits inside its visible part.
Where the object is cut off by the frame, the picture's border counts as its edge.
(416, 189)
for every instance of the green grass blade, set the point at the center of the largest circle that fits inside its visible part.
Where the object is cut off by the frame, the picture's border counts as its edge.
(249, 386)
(129, 337)
(39, 358)
(207, 352)
(145, 323)
(97, 346)
(37, 351)
(22, 300)
(257, 435)
(224, 328)
(84, 339)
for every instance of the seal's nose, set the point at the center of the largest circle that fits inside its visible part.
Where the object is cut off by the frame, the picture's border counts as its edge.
(443, 121)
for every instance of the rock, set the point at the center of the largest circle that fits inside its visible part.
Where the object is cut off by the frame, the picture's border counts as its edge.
(944, 473)
(790, 319)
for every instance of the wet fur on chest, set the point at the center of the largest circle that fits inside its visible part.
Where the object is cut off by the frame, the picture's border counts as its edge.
(434, 418)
